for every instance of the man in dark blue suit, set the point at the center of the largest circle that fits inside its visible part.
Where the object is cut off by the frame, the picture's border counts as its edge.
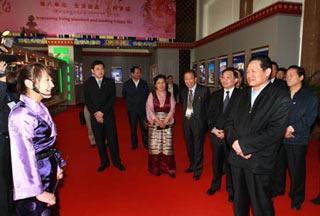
(135, 91)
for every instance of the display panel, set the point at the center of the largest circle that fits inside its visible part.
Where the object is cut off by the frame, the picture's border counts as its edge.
(202, 73)
(116, 74)
(223, 62)
(211, 72)
(238, 61)
(260, 52)
(195, 67)
(78, 68)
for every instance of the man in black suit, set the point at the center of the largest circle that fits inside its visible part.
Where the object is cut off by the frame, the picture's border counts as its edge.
(274, 80)
(195, 103)
(254, 129)
(220, 105)
(100, 94)
(172, 87)
(135, 91)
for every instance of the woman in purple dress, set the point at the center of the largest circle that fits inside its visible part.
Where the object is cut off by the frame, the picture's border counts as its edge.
(36, 164)
(160, 109)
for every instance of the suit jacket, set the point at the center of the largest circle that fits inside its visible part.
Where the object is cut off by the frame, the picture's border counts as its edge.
(5, 97)
(216, 116)
(200, 104)
(259, 129)
(303, 113)
(136, 97)
(280, 84)
(100, 99)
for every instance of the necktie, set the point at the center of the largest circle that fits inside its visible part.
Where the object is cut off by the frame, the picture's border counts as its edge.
(99, 83)
(190, 99)
(226, 101)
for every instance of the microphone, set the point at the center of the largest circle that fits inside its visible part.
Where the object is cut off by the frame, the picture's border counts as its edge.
(38, 91)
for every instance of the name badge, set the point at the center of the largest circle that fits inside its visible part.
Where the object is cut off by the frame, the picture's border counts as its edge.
(189, 112)
(11, 104)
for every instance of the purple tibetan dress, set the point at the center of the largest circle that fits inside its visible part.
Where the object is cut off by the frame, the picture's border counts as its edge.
(160, 105)
(35, 161)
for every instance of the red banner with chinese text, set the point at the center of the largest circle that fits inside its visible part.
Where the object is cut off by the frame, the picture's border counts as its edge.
(127, 18)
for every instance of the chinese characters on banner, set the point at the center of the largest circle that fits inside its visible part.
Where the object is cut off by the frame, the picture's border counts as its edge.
(127, 18)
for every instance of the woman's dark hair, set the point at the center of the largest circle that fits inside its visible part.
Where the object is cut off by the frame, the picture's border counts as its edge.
(31, 72)
(160, 76)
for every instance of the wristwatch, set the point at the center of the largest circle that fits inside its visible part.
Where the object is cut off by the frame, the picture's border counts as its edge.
(2, 74)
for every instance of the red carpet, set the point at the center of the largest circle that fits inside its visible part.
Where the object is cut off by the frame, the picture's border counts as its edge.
(135, 192)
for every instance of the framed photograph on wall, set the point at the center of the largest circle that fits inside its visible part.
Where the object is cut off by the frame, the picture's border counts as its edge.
(260, 51)
(223, 63)
(153, 72)
(238, 60)
(195, 67)
(202, 72)
(78, 71)
(211, 72)
(116, 74)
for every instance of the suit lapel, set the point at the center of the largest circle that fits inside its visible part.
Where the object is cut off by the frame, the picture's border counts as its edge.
(220, 100)
(196, 95)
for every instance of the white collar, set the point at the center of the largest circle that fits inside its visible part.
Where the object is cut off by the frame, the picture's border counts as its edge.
(229, 90)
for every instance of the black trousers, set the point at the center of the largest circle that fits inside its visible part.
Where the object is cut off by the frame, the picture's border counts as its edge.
(134, 118)
(293, 158)
(220, 153)
(194, 134)
(106, 131)
(33, 207)
(6, 185)
(279, 176)
(251, 189)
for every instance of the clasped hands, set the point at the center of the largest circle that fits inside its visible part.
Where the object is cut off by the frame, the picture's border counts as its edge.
(162, 123)
(218, 133)
(99, 116)
(236, 147)
(48, 197)
(289, 132)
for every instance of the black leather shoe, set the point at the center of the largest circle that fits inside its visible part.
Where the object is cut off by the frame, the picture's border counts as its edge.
(212, 191)
(101, 168)
(296, 207)
(196, 177)
(134, 147)
(188, 170)
(316, 200)
(120, 167)
(274, 194)
(172, 175)
(230, 198)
